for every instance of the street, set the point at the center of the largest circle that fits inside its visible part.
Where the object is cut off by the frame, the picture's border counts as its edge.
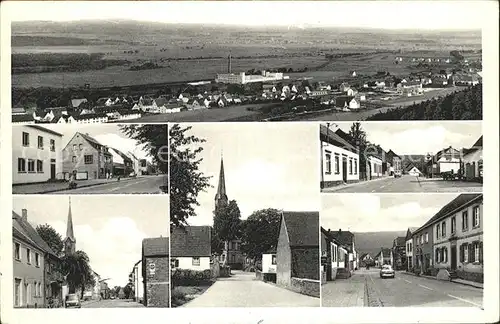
(111, 303)
(139, 185)
(403, 291)
(242, 289)
(407, 183)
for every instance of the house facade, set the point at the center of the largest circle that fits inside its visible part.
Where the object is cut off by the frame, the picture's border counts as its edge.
(445, 160)
(409, 248)
(156, 272)
(348, 243)
(36, 154)
(335, 256)
(384, 257)
(191, 248)
(87, 157)
(374, 167)
(399, 253)
(472, 161)
(339, 159)
(123, 165)
(423, 249)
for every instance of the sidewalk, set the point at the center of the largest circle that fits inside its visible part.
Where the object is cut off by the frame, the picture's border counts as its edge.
(459, 281)
(348, 185)
(48, 187)
(344, 292)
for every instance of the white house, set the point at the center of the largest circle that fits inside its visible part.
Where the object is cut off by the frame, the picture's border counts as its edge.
(36, 154)
(446, 160)
(339, 158)
(190, 248)
(269, 262)
(374, 167)
(409, 247)
(472, 160)
(414, 171)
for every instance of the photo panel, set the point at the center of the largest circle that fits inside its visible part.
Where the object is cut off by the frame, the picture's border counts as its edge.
(244, 215)
(411, 250)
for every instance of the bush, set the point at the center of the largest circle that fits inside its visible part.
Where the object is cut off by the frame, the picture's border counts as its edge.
(186, 277)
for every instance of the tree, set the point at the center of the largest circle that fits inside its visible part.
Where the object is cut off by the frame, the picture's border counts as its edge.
(260, 232)
(186, 180)
(155, 141)
(51, 237)
(227, 222)
(358, 136)
(78, 272)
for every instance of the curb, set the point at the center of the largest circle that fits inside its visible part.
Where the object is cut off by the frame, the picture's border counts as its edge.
(455, 282)
(340, 187)
(64, 189)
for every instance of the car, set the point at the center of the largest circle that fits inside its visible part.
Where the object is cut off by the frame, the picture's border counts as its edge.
(132, 175)
(72, 300)
(397, 174)
(387, 272)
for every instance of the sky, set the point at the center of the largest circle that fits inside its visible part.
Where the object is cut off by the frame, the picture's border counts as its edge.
(265, 165)
(378, 213)
(110, 229)
(109, 135)
(362, 14)
(419, 138)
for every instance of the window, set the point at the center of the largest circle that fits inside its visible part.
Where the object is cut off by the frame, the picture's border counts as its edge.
(26, 139)
(476, 252)
(39, 166)
(426, 237)
(21, 165)
(89, 159)
(453, 225)
(80, 147)
(465, 221)
(438, 230)
(328, 158)
(422, 239)
(443, 229)
(273, 260)
(28, 256)
(31, 165)
(445, 254)
(52, 145)
(350, 166)
(475, 216)
(40, 289)
(337, 164)
(17, 251)
(40, 142)
(74, 147)
(17, 292)
(355, 166)
(73, 159)
(466, 253)
(438, 256)
(196, 261)
(37, 260)
(174, 263)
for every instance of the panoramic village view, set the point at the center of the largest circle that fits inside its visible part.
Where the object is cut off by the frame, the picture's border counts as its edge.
(90, 252)
(120, 70)
(245, 232)
(90, 159)
(402, 157)
(371, 256)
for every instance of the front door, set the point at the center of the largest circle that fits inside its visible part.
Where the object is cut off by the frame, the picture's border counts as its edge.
(344, 168)
(453, 257)
(52, 169)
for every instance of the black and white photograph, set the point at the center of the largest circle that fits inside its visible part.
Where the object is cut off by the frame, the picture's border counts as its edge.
(362, 157)
(90, 159)
(90, 252)
(402, 250)
(244, 216)
(178, 62)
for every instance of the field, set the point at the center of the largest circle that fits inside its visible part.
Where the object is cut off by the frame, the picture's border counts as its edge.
(189, 53)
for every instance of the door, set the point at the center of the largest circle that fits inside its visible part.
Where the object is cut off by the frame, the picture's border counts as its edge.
(453, 257)
(17, 293)
(344, 168)
(52, 169)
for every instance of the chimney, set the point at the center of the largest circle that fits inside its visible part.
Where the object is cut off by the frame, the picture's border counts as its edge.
(24, 214)
(340, 230)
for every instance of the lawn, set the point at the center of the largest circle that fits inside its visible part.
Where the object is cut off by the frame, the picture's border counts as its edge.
(183, 294)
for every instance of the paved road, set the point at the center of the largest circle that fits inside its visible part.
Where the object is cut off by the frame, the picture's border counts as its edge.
(112, 303)
(344, 292)
(407, 290)
(243, 290)
(139, 185)
(407, 183)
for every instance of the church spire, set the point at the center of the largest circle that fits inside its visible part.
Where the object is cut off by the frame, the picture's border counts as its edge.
(221, 197)
(69, 241)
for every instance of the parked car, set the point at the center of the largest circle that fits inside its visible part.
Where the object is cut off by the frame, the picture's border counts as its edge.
(132, 175)
(397, 174)
(72, 300)
(387, 271)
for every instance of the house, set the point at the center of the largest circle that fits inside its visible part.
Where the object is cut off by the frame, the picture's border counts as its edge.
(97, 118)
(344, 87)
(36, 154)
(145, 167)
(399, 253)
(87, 158)
(171, 108)
(78, 103)
(339, 158)
(458, 238)
(122, 164)
(366, 260)
(269, 261)
(334, 256)
(193, 104)
(347, 102)
(384, 257)
(347, 240)
(409, 247)
(374, 167)
(191, 248)
(412, 170)
(446, 160)
(64, 119)
(148, 105)
(184, 97)
(156, 271)
(422, 249)
(36, 267)
(395, 161)
(297, 253)
(472, 160)
(93, 292)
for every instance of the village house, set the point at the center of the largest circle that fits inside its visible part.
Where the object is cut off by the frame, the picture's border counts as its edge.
(339, 158)
(122, 164)
(472, 160)
(366, 260)
(194, 104)
(395, 161)
(191, 248)
(446, 160)
(409, 247)
(78, 103)
(423, 249)
(36, 154)
(347, 241)
(412, 170)
(269, 262)
(399, 253)
(334, 256)
(384, 257)
(156, 271)
(87, 157)
(344, 87)
(297, 253)
(96, 118)
(374, 167)
(458, 238)
(347, 102)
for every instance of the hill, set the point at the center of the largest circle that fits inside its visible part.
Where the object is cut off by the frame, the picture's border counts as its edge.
(371, 242)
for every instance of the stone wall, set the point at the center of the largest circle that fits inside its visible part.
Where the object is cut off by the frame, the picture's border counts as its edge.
(157, 279)
(305, 263)
(306, 286)
(471, 276)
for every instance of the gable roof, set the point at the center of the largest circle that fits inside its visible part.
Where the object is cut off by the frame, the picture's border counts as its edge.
(22, 118)
(344, 237)
(302, 228)
(75, 103)
(157, 246)
(191, 241)
(26, 231)
(43, 129)
(410, 232)
(337, 138)
(386, 251)
(477, 146)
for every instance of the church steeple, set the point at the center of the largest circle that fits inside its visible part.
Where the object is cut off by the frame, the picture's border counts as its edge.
(221, 197)
(69, 241)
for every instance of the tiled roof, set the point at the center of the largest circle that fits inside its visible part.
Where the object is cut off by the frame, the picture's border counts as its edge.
(22, 118)
(45, 130)
(23, 227)
(344, 237)
(191, 241)
(157, 246)
(302, 228)
(335, 138)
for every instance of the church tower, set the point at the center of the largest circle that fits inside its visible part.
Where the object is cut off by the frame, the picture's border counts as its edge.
(69, 241)
(221, 197)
